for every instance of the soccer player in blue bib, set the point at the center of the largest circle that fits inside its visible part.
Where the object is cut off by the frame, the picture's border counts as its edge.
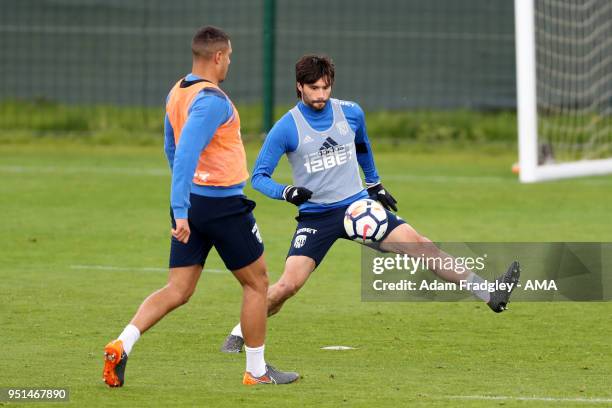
(326, 142)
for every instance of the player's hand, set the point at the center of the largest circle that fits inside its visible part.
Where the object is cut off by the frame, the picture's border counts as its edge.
(378, 193)
(182, 231)
(296, 195)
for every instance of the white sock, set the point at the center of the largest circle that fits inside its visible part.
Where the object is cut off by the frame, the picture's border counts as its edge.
(480, 294)
(255, 363)
(129, 336)
(237, 331)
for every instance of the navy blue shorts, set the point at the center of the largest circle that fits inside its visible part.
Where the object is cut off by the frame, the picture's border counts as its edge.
(317, 232)
(228, 224)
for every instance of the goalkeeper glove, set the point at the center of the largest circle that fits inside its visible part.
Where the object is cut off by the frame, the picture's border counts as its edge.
(377, 192)
(296, 195)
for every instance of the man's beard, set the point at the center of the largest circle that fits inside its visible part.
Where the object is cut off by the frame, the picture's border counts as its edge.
(312, 104)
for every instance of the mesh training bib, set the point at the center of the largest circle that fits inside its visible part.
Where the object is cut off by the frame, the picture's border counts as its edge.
(326, 162)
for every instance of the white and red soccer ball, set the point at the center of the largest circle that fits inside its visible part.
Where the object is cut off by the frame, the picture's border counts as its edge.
(365, 220)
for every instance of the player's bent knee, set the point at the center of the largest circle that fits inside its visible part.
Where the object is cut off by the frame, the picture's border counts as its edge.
(258, 283)
(178, 296)
(412, 235)
(262, 284)
(183, 300)
(422, 239)
(254, 276)
(288, 289)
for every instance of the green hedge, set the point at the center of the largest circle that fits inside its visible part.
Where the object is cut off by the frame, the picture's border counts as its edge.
(22, 120)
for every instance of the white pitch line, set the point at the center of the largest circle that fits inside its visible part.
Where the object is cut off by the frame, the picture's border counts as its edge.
(546, 399)
(130, 268)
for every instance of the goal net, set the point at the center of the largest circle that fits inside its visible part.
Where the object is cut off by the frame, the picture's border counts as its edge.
(564, 87)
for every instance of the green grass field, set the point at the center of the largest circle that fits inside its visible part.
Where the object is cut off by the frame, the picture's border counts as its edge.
(85, 235)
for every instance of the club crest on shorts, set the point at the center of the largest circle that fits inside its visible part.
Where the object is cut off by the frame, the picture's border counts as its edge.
(255, 231)
(299, 241)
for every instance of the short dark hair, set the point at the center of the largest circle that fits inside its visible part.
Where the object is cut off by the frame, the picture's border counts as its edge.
(207, 41)
(310, 68)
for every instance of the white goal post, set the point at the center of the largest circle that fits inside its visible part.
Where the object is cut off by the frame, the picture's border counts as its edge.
(564, 88)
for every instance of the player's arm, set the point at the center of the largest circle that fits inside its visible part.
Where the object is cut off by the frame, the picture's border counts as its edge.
(169, 146)
(208, 111)
(365, 157)
(281, 139)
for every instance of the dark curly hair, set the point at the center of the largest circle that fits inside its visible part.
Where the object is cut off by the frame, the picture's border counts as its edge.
(310, 68)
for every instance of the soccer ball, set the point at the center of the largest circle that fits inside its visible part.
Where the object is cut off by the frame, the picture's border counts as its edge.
(365, 220)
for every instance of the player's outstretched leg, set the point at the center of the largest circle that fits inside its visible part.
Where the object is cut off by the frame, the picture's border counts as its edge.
(406, 240)
(296, 273)
(500, 298)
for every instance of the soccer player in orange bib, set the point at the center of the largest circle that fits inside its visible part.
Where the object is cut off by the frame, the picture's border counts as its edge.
(208, 209)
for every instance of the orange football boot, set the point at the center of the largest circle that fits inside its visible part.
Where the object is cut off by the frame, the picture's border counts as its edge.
(115, 360)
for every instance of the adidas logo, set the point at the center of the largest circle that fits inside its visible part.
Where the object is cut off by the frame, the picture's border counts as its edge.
(329, 143)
